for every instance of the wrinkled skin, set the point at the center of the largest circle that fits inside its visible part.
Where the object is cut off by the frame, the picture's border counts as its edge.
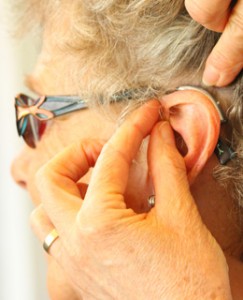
(103, 244)
(226, 59)
(105, 253)
(89, 225)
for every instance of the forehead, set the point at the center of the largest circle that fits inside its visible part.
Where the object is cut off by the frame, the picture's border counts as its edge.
(51, 73)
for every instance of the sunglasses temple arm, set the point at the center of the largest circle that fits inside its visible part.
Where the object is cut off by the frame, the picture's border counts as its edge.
(70, 108)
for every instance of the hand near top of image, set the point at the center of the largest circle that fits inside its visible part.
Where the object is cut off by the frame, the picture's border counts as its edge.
(109, 250)
(226, 59)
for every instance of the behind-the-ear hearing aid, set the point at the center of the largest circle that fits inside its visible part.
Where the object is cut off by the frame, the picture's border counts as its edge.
(223, 151)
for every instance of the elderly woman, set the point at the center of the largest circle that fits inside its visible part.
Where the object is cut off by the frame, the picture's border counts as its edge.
(149, 209)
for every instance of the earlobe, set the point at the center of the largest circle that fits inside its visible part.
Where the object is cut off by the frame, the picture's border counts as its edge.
(195, 118)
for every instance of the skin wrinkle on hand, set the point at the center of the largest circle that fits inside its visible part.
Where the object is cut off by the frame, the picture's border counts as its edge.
(226, 59)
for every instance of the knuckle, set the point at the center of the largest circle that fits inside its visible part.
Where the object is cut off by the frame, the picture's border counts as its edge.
(235, 26)
(40, 175)
(174, 165)
(178, 169)
(174, 160)
(101, 226)
(95, 232)
(34, 218)
(221, 60)
(43, 178)
(112, 150)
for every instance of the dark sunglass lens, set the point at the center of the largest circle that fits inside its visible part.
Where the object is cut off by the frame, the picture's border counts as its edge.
(29, 126)
(27, 133)
(24, 100)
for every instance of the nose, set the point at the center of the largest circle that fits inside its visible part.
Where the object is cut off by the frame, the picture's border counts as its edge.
(19, 168)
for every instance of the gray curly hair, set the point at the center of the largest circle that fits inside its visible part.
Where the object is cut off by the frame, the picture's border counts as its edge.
(149, 46)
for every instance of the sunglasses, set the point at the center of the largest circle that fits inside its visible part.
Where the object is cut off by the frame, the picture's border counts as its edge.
(32, 115)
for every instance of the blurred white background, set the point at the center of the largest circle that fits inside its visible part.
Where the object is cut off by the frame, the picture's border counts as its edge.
(22, 266)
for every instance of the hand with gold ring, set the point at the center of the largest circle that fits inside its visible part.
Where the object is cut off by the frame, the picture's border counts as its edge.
(226, 59)
(106, 249)
(50, 239)
(59, 285)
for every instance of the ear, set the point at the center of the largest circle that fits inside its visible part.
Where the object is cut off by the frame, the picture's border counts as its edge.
(195, 118)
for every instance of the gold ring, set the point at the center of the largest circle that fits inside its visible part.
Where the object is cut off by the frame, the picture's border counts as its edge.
(50, 239)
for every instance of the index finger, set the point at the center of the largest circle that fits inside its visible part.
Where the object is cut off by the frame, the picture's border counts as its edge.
(57, 181)
(110, 175)
(226, 59)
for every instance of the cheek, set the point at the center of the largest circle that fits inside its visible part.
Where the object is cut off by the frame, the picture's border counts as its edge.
(77, 126)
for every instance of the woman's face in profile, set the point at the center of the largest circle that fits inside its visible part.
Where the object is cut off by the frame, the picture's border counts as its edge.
(49, 78)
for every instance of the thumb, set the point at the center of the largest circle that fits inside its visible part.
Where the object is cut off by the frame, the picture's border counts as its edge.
(226, 59)
(169, 175)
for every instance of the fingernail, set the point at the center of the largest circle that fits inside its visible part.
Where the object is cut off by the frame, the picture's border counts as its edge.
(211, 76)
(166, 133)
